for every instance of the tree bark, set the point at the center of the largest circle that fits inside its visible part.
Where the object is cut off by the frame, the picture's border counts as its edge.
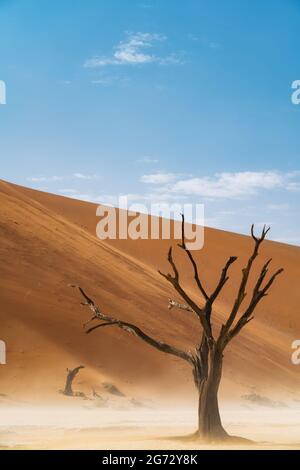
(69, 381)
(210, 426)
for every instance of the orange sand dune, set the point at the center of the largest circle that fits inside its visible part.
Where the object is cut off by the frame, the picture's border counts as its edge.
(48, 242)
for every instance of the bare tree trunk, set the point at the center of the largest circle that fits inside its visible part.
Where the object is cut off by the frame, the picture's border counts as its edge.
(209, 421)
(69, 381)
(68, 387)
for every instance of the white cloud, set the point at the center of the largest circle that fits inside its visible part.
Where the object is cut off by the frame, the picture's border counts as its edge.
(225, 185)
(134, 50)
(172, 59)
(103, 81)
(230, 185)
(158, 178)
(293, 186)
(82, 176)
(40, 179)
(104, 78)
(130, 51)
(132, 198)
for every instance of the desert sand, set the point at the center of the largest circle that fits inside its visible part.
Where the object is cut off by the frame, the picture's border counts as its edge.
(49, 242)
(85, 427)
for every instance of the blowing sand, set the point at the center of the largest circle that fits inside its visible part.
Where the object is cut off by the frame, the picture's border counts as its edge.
(87, 428)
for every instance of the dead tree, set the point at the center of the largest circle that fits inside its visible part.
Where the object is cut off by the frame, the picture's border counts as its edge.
(207, 358)
(71, 374)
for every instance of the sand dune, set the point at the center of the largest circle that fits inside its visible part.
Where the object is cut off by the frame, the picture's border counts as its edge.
(48, 242)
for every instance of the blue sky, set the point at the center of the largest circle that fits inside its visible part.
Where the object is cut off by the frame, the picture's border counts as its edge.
(185, 101)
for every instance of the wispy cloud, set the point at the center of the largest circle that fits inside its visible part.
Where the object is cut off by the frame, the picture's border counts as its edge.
(83, 176)
(42, 179)
(147, 198)
(55, 178)
(235, 185)
(158, 178)
(225, 185)
(105, 79)
(134, 50)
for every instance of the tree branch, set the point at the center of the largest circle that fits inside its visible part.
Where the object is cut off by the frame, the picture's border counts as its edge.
(257, 296)
(131, 328)
(174, 280)
(244, 280)
(196, 275)
(223, 279)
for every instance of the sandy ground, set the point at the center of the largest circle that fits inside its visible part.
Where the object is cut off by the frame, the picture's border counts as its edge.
(87, 428)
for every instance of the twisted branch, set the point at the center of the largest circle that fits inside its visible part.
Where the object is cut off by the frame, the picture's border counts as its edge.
(107, 320)
(184, 247)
